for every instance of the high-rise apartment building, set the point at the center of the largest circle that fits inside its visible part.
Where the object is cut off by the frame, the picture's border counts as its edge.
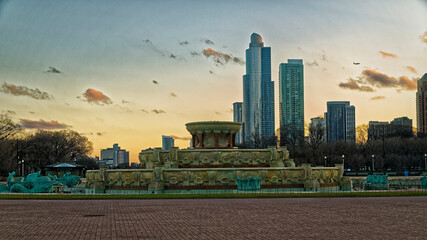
(340, 121)
(318, 122)
(114, 156)
(291, 98)
(167, 143)
(422, 105)
(258, 91)
(399, 127)
(238, 117)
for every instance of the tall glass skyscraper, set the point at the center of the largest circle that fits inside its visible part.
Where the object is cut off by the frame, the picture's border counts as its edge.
(258, 91)
(340, 121)
(422, 105)
(291, 97)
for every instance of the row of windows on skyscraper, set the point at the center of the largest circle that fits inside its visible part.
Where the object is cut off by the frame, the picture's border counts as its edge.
(256, 112)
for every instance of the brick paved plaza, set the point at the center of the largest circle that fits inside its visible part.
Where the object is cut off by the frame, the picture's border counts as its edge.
(296, 218)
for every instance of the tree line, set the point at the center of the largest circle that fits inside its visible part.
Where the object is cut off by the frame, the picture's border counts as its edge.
(397, 153)
(34, 150)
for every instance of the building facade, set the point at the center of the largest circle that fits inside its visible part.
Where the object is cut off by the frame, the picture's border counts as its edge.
(167, 143)
(340, 121)
(114, 156)
(422, 105)
(399, 127)
(291, 98)
(238, 117)
(258, 91)
(318, 122)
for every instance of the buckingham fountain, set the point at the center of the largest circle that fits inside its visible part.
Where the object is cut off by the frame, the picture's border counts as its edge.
(215, 164)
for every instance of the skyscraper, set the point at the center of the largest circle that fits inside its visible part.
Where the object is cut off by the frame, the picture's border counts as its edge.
(340, 121)
(114, 156)
(237, 117)
(422, 105)
(291, 98)
(167, 143)
(258, 91)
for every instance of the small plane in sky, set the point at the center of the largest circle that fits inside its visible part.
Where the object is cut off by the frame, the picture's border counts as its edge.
(356, 63)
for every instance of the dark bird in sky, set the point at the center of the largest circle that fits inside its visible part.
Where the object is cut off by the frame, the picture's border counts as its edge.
(356, 63)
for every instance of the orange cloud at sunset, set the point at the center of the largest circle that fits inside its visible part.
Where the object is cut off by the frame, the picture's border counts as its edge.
(386, 54)
(411, 69)
(25, 91)
(221, 58)
(424, 37)
(353, 85)
(42, 124)
(180, 138)
(377, 98)
(94, 96)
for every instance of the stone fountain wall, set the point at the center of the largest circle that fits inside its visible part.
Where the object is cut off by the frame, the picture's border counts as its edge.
(212, 169)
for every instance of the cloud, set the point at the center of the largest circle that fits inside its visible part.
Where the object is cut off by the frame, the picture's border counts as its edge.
(386, 54)
(221, 58)
(352, 84)
(377, 98)
(97, 97)
(162, 52)
(314, 63)
(172, 94)
(180, 138)
(125, 109)
(144, 111)
(411, 69)
(193, 54)
(10, 112)
(158, 111)
(380, 80)
(41, 124)
(52, 70)
(324, 58)
(207, 41)
(153, 47)
(25, 91)
(155, 82)
(423, 37)
(184, 43)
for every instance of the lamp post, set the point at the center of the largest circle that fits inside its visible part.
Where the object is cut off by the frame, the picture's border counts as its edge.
(425, 161)
(325, 160)
(373, 162)
(23, 167)
(343, 162)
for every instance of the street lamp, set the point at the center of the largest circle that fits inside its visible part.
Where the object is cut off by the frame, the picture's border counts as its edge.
(343, 161)
(373, 162)
(425, 161)
(325, 160)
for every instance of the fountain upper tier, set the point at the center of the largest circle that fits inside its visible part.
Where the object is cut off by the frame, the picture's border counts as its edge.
(213, 134)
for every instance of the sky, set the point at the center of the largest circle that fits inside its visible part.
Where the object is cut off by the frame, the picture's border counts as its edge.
(128, 72)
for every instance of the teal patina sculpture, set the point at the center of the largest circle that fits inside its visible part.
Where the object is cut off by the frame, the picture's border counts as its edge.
(250, 184)
(376, 182)
(33, 183)
(424, 182)
(69, 180)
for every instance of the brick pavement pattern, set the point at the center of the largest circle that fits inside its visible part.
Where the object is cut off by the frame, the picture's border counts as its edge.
(286, 218)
